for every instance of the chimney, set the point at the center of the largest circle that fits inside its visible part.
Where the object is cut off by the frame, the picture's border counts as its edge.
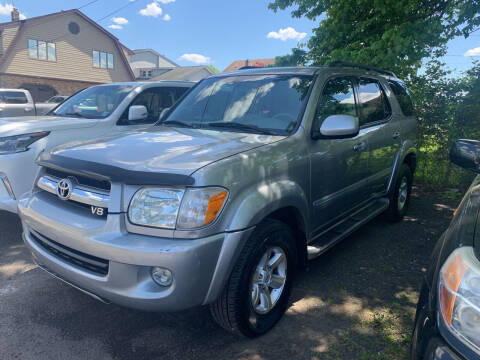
(15, 14)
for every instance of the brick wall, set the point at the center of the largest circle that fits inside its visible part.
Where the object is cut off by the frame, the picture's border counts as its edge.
(42, 88)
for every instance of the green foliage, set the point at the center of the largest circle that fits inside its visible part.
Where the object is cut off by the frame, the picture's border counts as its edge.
(395, 35)
(298, 57)
(214, 69)
(447, 109)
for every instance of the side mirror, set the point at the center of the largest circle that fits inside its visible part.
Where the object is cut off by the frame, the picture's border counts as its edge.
(137, 112)
(338, 127)
(163, 114)
(466, 153)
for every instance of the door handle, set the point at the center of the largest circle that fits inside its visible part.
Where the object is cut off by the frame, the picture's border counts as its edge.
(360, 146)
(396, 134)
(28, 109)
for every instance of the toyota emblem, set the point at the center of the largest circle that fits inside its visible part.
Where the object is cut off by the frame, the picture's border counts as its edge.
(64, 189)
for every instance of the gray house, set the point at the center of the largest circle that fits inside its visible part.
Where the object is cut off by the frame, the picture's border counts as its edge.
(147, 64)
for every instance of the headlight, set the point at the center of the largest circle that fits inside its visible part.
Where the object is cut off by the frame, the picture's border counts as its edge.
(176, 208)
(459, 296)
(19, 143)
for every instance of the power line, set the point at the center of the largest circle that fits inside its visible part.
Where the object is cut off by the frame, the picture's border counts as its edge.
(89, 3)
(117, 10)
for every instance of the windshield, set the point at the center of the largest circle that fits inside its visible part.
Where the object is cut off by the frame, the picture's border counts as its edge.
(256, 103)
(96, 102)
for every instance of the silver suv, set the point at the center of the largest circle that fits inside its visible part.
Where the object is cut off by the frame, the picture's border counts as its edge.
(248, 177)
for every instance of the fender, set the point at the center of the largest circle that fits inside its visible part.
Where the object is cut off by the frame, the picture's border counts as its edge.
(256, 204)
(407, 148)
(251, 209)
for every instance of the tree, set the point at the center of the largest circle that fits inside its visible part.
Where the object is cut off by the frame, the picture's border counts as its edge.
(298, 57)
(447, 109)
(395, 35)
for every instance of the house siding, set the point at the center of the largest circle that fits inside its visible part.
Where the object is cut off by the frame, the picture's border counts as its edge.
(73, 52)
(8, 34)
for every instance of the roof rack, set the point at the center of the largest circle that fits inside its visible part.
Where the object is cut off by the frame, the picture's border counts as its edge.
(360, 66)
(247, 67)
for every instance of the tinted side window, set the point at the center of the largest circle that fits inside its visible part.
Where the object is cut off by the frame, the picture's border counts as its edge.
(337, 99)
(373, 102)
(155, 100)
(13, 97)
(403, 97)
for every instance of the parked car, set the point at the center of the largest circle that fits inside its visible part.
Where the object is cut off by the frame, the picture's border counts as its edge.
(447, 323)
(19, 102)
(57, 99)
(247, 177)
(97, 111)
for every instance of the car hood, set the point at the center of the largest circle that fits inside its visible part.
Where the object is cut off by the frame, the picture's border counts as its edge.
(159, 150)
(28, 124)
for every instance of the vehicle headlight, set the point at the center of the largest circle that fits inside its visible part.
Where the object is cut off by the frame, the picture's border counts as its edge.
(19, 143)
(176, 208)
(459, 296)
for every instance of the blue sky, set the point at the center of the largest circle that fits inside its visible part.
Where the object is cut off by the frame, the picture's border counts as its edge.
(214, 31)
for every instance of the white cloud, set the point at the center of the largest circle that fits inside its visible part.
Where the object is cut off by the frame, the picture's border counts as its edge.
(196, 58)
(166, 1)
(115, 26)
(473, 52)
(286, 34)
(7, 10)
(152, 9)
(120, 20)
(166, 17)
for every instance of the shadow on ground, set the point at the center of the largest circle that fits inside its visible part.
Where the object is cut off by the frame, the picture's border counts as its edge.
(356, 302)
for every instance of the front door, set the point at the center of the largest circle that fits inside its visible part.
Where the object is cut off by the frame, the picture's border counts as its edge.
(339, 167)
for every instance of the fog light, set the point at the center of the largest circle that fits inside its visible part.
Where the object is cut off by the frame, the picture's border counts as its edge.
(162, 276)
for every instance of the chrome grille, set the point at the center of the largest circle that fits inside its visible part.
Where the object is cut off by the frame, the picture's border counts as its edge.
(80, 193)
(82, 180)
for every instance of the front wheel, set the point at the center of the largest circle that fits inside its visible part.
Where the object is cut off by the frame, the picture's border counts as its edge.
(400, 196)
(258, 290)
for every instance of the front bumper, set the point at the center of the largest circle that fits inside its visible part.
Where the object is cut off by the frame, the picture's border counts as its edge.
(19, 170)
(200, 267)
(437, 349)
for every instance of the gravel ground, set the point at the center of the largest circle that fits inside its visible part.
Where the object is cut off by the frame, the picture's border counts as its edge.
(356, 302)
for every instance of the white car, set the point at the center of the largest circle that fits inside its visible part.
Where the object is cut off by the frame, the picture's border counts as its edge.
(98, 111)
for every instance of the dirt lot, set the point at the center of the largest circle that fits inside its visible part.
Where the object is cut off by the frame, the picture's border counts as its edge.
(356, 302)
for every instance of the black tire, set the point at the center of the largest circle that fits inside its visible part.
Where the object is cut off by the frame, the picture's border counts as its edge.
(233, 310)
(396, 213)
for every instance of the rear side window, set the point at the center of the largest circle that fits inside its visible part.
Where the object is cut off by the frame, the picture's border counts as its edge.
(12, 97)
(403, 97)
(373, 102)
(337, 99)
(155, 100)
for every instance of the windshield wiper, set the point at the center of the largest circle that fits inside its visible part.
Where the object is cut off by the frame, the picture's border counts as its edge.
(71, 114)
(179, 123)
(240, 126)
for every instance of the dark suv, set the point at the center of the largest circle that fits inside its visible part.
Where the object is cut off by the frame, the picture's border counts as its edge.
(447, 324)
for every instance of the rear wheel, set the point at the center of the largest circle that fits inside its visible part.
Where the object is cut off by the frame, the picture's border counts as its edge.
(400, 196)
(257, 292)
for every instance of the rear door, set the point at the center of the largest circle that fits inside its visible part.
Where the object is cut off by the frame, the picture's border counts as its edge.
(383, 132)
(339, 167)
